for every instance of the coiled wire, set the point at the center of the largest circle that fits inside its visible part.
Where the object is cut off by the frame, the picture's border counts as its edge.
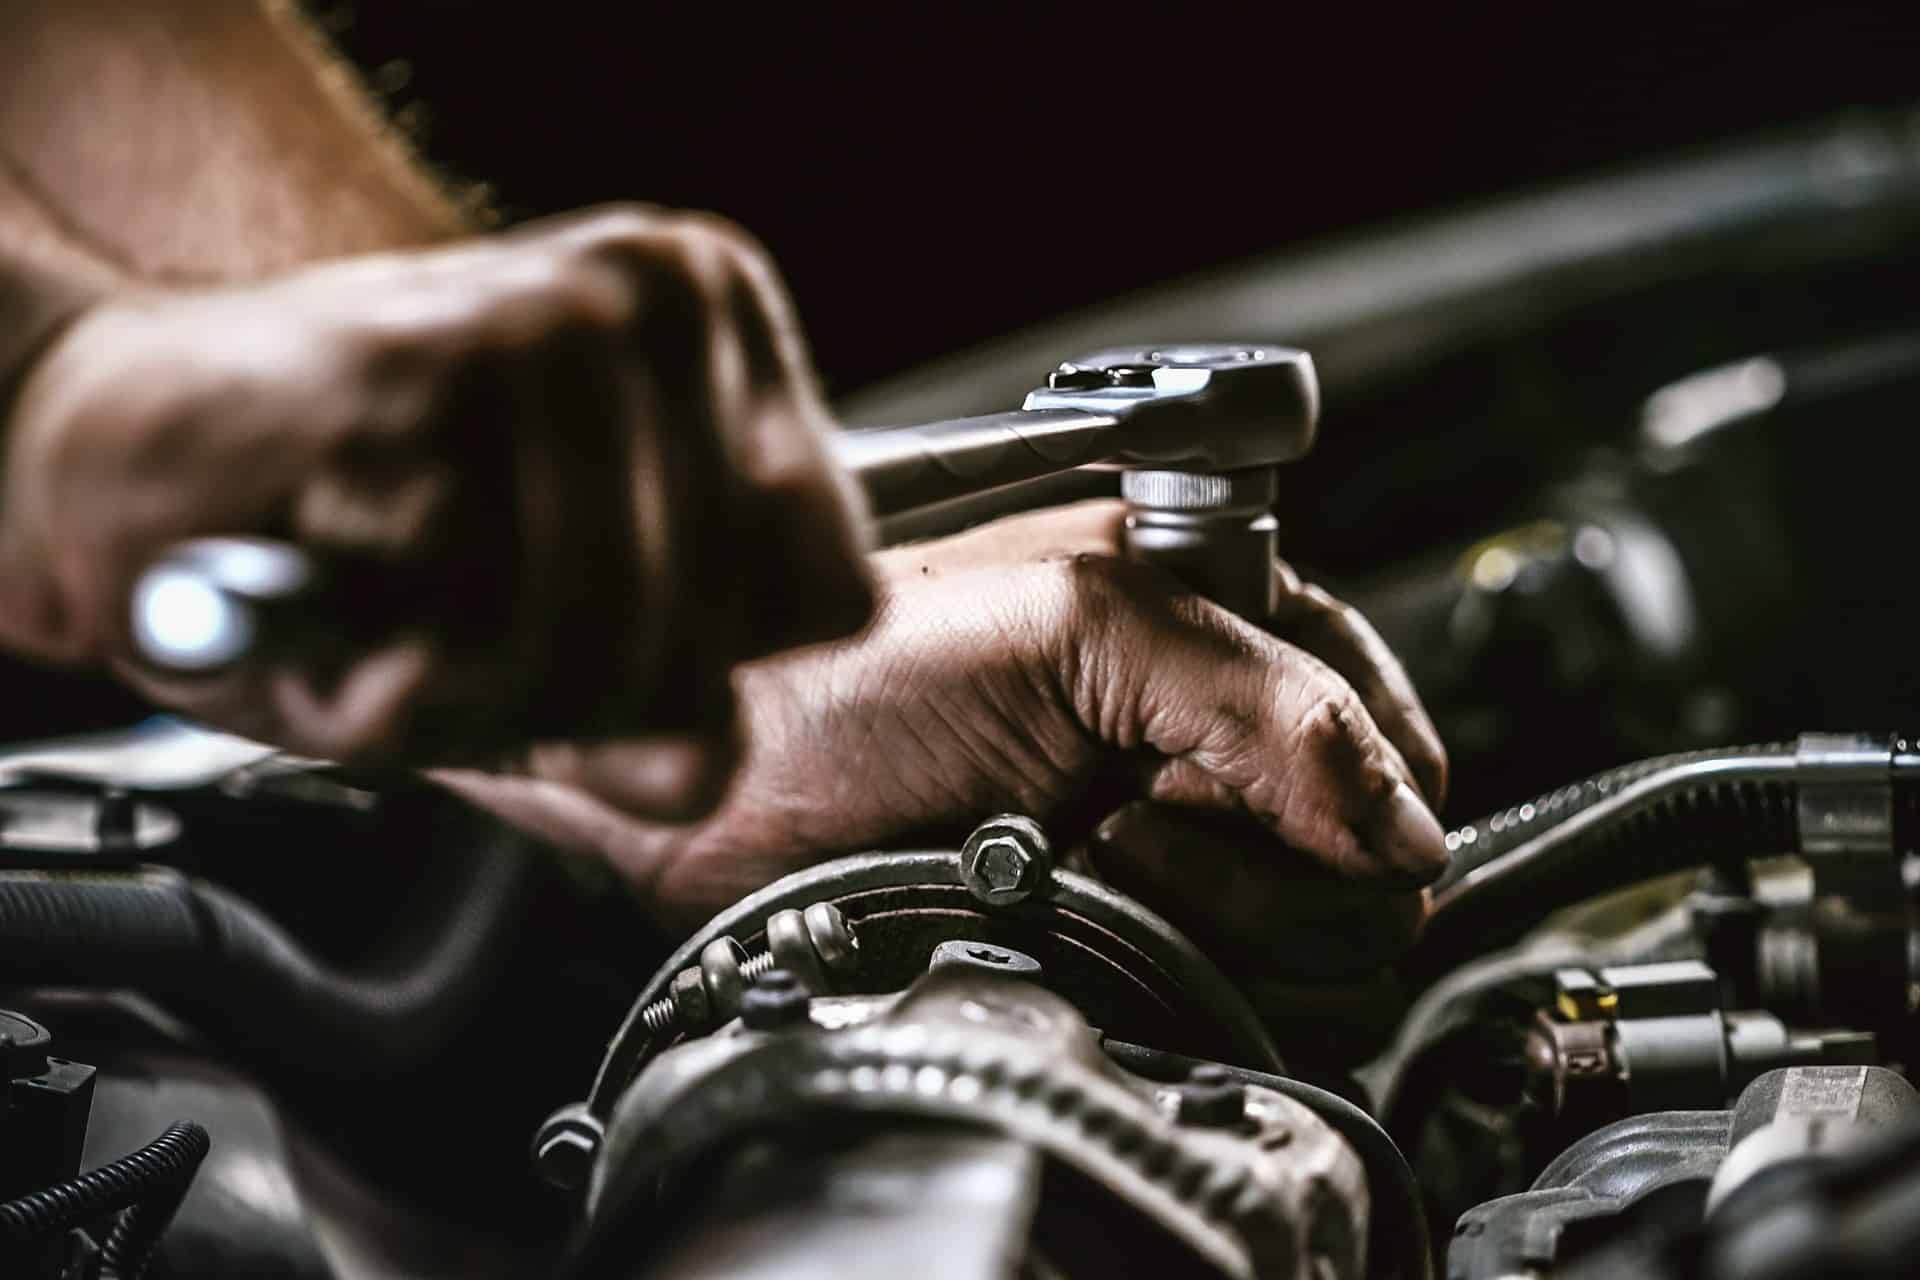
(145, 1187)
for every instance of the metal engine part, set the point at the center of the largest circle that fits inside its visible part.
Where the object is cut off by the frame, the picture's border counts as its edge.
(1625, 1191)
(1230, 1179)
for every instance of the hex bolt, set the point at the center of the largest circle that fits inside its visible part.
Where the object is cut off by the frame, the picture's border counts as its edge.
(1211, 1098)
(1006, 860)
(692, 1011)
(775, 1001)
(565, 1146)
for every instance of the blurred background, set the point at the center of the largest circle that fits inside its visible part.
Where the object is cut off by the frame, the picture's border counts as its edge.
(932, 176)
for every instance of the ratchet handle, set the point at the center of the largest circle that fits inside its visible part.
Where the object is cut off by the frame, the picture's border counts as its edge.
(209, 603)
(1198, 428)
(908, 468)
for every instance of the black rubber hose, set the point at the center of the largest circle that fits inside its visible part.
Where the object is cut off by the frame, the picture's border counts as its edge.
(216, 961)
(1477, 843)
(1621, 827)
(146, 1187)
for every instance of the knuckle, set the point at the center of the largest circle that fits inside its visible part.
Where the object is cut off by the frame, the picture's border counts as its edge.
(581, 301)
(619, 225)
(720, 236)
(1325, 727)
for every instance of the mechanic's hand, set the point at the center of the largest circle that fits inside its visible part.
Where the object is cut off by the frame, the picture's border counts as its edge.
(1012, 669)
(561, 463)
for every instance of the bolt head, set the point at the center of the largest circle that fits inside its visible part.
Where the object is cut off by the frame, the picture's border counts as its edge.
(1002, 865)
(1005, 860)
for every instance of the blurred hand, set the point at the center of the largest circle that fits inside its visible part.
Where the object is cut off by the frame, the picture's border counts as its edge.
(1024, 666)
(577, 471)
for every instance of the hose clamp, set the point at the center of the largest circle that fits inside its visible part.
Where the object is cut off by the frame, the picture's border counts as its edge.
(1845, 804)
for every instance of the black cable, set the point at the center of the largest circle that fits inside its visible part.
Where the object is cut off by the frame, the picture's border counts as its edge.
(146, 1187)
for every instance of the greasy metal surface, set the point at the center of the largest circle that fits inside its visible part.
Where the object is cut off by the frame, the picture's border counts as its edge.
(1281, 1196)
(934, 1204)
(1672, 1154)
(1153, 954)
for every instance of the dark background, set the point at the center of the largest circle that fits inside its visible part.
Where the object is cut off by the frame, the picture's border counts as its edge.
(930, 176)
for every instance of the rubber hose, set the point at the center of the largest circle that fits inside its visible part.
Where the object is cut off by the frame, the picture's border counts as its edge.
(149, 1183)
(1662, 816)
(1479, 842)
(213, 959)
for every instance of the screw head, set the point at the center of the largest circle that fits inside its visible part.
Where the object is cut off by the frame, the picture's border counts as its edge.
(775, 1001)
(834, 940)
(1006, 860)
(983, 957)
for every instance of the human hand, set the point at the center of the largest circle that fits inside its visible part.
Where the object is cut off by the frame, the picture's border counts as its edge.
(1023, 666)
(577, 471)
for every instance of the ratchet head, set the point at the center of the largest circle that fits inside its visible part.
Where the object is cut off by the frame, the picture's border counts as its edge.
(1195, 407)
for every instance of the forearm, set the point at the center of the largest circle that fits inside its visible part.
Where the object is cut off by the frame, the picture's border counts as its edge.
(192, 141)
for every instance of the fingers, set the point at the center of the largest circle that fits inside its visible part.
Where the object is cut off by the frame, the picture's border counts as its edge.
(1223, 880)
(1239, 719)
(1336, 633)
(779, 521)
(1341, 636)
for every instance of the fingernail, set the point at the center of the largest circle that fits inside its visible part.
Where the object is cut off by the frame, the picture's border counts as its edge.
(1410, 836)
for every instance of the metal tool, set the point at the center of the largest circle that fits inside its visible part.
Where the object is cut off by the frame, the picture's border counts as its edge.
(1197, 431)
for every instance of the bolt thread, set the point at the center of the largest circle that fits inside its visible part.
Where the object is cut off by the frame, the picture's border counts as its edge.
(659, 1015)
